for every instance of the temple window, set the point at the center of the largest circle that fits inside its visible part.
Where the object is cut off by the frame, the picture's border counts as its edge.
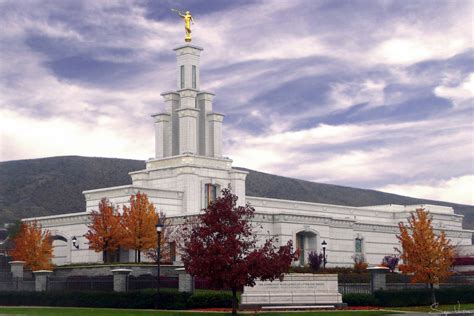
(182, 77)
(358, 245)
(194, 77)
(210, 193)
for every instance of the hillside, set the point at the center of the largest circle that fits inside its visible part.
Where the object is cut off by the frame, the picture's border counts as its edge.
(50, 186)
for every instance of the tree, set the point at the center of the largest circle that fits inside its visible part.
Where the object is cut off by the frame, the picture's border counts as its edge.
(222, 248)
(390, 262)
(166, 250)
(139, 222)
(360, 264)
(315, 260)
(13, 229)
(34, 246)
(428, 256)
(105, 230)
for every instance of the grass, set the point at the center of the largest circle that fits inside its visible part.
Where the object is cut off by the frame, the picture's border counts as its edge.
(445, 308)
(51, 311)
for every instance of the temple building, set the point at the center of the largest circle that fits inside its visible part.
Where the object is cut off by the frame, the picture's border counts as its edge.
(189, 170)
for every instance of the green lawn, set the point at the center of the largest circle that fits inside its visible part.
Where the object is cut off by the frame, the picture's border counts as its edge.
(445, 308)
(51, 311)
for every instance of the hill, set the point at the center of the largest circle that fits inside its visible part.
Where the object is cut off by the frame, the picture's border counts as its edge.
(50, 186)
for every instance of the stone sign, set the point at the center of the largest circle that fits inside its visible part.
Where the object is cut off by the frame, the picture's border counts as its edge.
(295, 289)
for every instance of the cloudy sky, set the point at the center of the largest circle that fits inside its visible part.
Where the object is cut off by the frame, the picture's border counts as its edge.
(370, 94)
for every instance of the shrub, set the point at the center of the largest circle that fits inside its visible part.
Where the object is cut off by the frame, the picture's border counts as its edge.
(464, 295)
(390, 262)
(315, 260)
(209, 299)
(360, 265)
(359, 299)
(146, 299)
(463, 261)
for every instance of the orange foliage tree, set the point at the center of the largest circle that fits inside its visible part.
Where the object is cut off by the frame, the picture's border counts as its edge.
(33, 246)
(427, 256)
(105, 230)
(139, 222)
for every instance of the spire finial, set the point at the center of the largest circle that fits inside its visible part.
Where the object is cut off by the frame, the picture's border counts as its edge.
(188, 19)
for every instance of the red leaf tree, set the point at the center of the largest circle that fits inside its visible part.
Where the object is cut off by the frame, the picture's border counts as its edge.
(222, 248)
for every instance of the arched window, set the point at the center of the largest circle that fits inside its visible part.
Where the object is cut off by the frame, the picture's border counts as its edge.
(182, 76)
(210, 193)
(194, 76)
(358, 246)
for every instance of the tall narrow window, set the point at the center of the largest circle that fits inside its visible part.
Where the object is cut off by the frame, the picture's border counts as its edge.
(211, 193)
(194, 77)
(358, 245)
(172, 246)
(182, 77)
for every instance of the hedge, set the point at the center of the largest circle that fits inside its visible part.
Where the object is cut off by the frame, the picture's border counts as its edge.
(145, 299)
(423, 297)
(411, 297)
(360, 299)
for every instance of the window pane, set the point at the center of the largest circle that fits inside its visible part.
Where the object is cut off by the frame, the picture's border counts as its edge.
(182, 77)
(358, 245)
(213, 192)
(210, 193)
(194, 77)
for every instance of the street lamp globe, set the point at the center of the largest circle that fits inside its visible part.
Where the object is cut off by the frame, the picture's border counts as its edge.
(159, 227)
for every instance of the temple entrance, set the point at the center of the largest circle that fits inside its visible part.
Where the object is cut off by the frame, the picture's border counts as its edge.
(61, 250)
(306, 241)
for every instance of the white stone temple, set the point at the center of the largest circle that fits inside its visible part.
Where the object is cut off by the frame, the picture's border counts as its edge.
(189, 170)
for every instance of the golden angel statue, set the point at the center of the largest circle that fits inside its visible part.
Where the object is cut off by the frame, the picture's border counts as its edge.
(188, 19)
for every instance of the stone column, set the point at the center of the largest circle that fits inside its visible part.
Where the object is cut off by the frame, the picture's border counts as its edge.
(186, 283)
(188, 130)
(215, 134)
(172, 100)
(162, 135)
(16, 267)
(120, 279)
(378, 278)
(237, 178)
(204, 100)
(41, 280)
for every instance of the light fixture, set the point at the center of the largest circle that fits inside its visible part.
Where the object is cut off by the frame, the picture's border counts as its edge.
(159, 227)
(75, 244)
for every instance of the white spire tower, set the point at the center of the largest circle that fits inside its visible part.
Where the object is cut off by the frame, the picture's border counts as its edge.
(188, 125)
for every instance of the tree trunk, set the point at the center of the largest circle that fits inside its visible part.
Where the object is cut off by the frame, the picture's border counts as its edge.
(433, 296)
(234, 302)
(139, 255)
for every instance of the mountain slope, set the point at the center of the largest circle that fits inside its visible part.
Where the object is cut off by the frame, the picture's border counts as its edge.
(49, 186)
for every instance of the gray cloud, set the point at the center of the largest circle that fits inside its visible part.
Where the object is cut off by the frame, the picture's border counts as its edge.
(377, 95)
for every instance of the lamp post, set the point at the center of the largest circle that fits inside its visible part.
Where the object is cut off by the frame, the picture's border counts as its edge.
(324, 244)
(74, 242)
(159, 229)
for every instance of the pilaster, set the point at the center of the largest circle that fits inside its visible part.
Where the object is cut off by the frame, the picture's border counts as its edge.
(162, 135)
(204, 101)
(215, 134)
(188, 130)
